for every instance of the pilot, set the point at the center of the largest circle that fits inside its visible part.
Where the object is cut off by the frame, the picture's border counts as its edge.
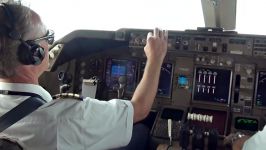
(66, 124)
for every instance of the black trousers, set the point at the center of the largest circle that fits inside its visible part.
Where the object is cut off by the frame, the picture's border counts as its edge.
(140, 138)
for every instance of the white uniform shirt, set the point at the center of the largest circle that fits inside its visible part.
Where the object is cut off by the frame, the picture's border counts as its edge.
(257, 141)
(69, 124)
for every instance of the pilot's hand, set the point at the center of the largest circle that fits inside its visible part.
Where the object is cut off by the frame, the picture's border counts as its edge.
(156, 46)
(236, 140)
(239, 143)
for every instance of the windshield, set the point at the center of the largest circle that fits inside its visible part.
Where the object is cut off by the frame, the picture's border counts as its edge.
(65, 16)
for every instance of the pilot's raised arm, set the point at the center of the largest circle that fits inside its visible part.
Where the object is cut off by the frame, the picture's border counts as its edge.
(65, 124)
(145, 92)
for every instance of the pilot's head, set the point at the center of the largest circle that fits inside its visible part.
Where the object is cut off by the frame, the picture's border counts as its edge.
(24, 41)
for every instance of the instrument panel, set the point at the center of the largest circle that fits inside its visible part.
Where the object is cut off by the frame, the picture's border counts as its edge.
(210, 82)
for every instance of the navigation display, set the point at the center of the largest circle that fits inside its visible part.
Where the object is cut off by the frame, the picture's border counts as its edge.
(165, 82)
(260, 96)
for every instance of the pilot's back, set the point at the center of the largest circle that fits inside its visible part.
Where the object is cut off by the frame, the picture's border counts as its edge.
(68, 124)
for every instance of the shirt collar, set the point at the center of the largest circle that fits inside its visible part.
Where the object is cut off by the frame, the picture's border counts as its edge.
(22, 87)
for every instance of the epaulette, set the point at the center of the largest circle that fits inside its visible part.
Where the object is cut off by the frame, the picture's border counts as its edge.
(68, 95)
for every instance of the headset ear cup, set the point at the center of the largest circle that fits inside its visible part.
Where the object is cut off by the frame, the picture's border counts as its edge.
(30, 53)
(23, 54)
(38, 54)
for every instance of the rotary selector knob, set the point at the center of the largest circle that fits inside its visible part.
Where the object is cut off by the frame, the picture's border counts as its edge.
(249, 71)
(197, 59)
(229, 62)
(212, 61)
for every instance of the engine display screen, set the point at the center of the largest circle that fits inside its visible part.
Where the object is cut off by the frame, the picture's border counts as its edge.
(244, 123)
(260, 96)
(116, 69)
(212, 85)
(165, 82)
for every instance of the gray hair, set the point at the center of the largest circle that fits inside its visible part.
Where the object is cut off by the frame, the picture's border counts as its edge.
(8, 47)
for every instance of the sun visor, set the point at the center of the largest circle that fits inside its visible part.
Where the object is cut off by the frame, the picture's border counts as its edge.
(219, 13)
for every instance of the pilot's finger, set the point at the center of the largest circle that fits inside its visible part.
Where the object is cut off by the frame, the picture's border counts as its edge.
(149, 35)
(228, 140)
(165, 34)
(156, 32)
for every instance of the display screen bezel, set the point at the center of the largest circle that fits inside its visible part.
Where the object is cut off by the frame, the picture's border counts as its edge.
(171, 79)
(256, 90)
(242, 117)
(109, 76)
(212, 102)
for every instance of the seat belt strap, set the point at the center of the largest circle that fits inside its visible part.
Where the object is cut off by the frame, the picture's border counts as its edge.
(20, 111)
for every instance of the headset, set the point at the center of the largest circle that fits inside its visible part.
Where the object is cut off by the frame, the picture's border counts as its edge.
(29, 52)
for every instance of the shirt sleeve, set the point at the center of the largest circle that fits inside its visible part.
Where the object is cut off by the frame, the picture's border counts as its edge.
(257, 141)
(96, 124)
